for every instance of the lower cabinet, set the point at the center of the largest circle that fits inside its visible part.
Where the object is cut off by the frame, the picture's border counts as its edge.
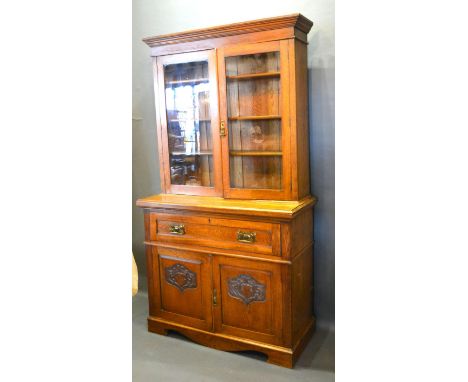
(232, 284)
(228, 295)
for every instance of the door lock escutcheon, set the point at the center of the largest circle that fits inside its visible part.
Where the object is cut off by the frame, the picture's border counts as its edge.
(222, 129)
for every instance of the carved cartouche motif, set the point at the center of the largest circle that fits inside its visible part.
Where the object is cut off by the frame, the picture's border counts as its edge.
(246, 289)
(181, 277)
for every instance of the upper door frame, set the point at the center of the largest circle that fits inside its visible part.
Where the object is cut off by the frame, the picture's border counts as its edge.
(161, 117)
(282, 47)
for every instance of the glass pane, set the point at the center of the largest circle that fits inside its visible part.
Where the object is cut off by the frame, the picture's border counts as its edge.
(254, 120)
(189, 124)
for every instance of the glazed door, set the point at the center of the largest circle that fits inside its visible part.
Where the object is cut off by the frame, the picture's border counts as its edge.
(188, 132)
(248, 300)
(254, 112)
(181, 287)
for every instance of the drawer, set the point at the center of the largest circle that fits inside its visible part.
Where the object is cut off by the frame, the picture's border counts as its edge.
(242, 235)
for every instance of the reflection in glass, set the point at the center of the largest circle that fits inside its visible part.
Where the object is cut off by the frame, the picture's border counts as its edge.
(189, 124)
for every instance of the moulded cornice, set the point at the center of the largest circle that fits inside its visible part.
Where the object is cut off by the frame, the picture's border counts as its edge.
(295, 20)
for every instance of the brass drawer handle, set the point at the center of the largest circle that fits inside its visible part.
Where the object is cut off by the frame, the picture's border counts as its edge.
(246, 237)
(178, 229)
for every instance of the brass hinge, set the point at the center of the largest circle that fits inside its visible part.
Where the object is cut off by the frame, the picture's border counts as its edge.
(215, 299)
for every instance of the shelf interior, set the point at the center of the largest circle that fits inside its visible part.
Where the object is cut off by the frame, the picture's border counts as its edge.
(255, 153)
(254, 117)
(252, 76)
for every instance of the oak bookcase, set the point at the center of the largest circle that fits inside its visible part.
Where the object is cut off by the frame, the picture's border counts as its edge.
(229, 242)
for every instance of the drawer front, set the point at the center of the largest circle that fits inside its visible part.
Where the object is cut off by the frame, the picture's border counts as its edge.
(242, 235)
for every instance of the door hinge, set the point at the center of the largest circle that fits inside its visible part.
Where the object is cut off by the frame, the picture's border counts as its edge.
(215, 299)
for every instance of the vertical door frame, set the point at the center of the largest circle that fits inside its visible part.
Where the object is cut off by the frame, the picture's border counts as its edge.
(163, 142)
(282, 47)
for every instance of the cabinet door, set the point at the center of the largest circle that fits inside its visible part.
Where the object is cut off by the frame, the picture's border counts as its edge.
(248, 299)
(188, 123)
(255, 126)
(181, 287)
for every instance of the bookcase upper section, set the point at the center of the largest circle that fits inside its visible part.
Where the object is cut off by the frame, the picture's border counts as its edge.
(231, 109)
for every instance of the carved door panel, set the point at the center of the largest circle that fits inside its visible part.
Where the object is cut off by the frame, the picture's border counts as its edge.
(248, 299)
(182, 288)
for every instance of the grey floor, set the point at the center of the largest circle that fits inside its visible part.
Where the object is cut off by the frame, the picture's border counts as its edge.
(174, 358)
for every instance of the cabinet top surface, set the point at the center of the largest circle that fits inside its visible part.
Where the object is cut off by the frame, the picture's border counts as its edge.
(295, 20)
(273, 208)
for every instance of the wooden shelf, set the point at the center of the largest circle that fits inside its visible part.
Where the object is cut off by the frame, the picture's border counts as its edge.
(254, 117)
(255, 153)
(186, 82)
(253, 76)
(183, 153)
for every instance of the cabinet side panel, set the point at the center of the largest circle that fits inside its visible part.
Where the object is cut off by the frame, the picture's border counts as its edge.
(147, 217)
(154, 291)
(286, 273)
(301, 117)
(302, 232)
(302, 293)
(149, 264)
(286, 240)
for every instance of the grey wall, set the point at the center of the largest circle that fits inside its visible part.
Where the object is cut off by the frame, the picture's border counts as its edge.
(159, 17)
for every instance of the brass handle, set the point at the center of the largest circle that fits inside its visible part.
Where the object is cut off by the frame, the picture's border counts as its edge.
(246, 237)
(215, 299)
(178, 229)
(222, 129)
